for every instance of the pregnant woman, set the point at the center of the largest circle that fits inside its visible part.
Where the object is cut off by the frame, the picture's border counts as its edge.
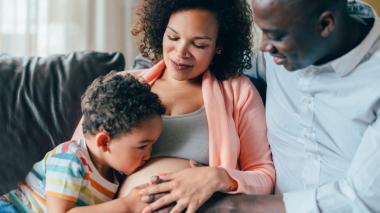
(214, 115)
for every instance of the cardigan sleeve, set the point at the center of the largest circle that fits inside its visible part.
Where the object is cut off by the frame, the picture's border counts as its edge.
(256, 174)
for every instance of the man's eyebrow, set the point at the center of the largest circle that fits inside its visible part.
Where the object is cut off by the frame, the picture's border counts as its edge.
(196, 37)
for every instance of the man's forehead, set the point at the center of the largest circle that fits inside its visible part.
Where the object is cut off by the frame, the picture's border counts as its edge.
(279, 4)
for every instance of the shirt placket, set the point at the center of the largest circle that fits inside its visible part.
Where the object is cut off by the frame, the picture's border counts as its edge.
(311, 170)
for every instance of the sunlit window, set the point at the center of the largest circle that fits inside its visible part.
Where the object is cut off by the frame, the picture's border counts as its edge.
(41, 27)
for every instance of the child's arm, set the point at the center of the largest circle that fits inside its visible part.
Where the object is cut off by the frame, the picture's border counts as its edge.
(131, 203)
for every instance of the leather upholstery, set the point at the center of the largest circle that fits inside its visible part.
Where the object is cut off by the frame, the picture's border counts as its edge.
(40, 105)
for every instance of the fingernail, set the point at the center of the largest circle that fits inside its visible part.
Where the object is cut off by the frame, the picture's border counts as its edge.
(141, 192)
(154, 179)
(161, 174)
(146, 211)
(145, 198)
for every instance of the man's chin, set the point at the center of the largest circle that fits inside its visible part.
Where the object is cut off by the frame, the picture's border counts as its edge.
(291, 67)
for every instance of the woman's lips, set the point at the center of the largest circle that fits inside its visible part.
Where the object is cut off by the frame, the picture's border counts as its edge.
(181, 66)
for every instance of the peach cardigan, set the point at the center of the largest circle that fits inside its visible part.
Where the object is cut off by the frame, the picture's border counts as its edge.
(237, 129)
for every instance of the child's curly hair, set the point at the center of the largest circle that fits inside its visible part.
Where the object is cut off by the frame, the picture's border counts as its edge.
(235, 31)
(117, 103)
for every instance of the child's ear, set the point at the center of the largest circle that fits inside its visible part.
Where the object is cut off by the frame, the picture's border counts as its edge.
(102, 141)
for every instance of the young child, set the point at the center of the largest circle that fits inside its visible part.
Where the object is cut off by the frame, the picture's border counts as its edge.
(121, 121)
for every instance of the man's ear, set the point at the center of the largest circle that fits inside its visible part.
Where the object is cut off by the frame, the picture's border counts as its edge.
(102, 141)
(326, 23)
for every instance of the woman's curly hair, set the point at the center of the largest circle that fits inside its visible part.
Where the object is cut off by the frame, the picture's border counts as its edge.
(235, 31)
(117, 104)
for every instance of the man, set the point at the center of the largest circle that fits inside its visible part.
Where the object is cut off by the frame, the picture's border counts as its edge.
(321, 62)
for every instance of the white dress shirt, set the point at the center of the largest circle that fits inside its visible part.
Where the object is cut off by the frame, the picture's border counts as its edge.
(324, 131)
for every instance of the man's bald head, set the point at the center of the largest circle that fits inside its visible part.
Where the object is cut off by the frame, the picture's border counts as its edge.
(298, 33)
(309, 8)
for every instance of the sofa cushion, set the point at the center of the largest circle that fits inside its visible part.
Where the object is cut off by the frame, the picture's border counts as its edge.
(40, 105)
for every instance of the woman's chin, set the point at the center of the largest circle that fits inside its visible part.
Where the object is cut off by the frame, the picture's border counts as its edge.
(153, 167)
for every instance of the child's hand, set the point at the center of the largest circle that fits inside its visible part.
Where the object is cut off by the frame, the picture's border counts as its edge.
(133, 200)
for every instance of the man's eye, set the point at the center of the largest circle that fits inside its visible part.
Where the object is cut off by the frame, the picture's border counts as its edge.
(275, 37)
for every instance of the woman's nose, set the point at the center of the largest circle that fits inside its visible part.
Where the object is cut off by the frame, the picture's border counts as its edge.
(182, 50)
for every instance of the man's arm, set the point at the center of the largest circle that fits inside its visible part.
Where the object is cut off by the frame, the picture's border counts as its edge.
(359, 191)
(244, 204)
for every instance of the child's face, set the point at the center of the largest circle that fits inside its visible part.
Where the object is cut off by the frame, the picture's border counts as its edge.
(130, 151)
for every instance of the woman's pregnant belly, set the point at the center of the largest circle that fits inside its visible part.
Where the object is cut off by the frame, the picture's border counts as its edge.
(153, 167)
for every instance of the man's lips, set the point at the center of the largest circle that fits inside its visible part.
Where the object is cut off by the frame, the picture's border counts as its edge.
(279, 60)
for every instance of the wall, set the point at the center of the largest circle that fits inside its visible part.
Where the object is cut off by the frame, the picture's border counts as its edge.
(375, 4)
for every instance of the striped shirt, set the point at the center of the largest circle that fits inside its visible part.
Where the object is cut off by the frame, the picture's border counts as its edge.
(68, 173)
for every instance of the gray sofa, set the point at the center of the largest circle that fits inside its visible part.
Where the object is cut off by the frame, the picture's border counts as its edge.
(40, 105)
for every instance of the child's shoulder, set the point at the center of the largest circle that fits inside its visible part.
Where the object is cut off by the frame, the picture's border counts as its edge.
(72, 150)
(68, 147)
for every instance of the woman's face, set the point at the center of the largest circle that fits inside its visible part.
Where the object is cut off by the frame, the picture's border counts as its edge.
(189, 43)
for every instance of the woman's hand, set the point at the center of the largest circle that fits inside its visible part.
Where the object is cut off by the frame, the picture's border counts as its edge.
(189, 188)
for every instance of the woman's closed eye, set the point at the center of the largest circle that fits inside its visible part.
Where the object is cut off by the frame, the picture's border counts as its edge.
(200, 46)
(173, 38)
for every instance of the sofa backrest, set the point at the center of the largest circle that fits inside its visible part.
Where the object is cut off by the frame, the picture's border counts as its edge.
(40, 105)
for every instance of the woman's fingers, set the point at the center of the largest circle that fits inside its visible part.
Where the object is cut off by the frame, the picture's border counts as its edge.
(191, 208)
(152, 197)
(179, 207)
(157, 188)
(158, 204)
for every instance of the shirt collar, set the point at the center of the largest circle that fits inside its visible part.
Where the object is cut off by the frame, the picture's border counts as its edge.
(348, 62)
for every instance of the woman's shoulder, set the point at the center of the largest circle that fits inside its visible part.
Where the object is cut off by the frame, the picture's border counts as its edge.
(240, 89)
(239, 82)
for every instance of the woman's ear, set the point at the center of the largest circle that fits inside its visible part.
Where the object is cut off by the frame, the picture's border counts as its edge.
(102, 141)
(326, 23)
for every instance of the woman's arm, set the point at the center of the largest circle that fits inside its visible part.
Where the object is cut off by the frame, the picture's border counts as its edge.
(256, 174)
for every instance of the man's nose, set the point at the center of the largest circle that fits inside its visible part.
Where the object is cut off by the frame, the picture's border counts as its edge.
(266, 45)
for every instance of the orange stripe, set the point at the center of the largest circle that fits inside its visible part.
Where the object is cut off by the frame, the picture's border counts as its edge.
(57, 195)
(37, 196)
(98, 187)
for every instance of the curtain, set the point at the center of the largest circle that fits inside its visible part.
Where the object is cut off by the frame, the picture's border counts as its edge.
(43, 27)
